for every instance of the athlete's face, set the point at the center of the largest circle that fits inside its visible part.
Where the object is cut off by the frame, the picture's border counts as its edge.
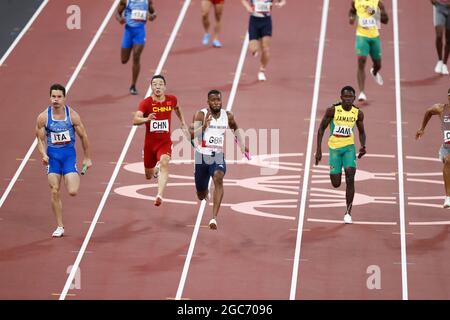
(215, 102)
(347, 98)
(57, 98)
(158, 87)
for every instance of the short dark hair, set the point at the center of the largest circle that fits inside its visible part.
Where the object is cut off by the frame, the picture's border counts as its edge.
(214, 91)
(57, 86)
(158, 76)
(347, 88)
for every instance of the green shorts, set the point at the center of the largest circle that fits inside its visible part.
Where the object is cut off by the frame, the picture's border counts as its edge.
(339, 157)
(365, 46)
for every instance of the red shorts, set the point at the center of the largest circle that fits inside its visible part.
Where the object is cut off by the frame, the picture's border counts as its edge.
(154, 150)
(217, 1)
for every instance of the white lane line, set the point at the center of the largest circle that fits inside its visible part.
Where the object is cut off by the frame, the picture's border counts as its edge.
(122, 156)
(354, 222)
(398, 108)
(68, 86)
(308, 157)
(201, 210)
(430, 223)
(22, 33)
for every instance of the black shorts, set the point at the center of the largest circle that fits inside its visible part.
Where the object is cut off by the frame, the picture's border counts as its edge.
(205, 166)
(259, 27)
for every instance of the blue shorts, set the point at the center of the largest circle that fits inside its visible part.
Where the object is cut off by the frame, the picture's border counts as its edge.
(205, 166)
(133, 36)
(259, 27)
(62, 160)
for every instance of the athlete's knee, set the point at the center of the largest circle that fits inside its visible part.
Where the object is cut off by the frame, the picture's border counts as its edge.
(361, 62)
(335, 180)
(124, 60)
(350, 175)
(201, 195)
(73, 193)
(336, 183)
(218, 178)
(54, 191)
(447, 161)
(266, 49)
(164, 164)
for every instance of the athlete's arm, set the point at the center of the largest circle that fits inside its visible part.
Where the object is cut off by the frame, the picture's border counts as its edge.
(436, 109)
(40, 135)
(237, 132)
(151, 10)
(329, 114)
(384, 16)
(362, 133)
(139, 118)
(180, 116)
(119, 11)
(352, 13)
(81, 132)
(198, 125)
(247, 6)
(184, 127)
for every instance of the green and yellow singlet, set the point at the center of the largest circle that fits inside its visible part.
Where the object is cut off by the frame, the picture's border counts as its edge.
(368, 24)
(341, 127)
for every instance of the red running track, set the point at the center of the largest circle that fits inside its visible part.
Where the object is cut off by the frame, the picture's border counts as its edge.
(138, 251)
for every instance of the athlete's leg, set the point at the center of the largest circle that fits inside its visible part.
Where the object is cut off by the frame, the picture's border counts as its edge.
(376, 65)
(163, 173)
(336, 179)
(72, 182)
(447, 44)
(350, 188)
(125, 54)
(361, 74)
(149, 173)
(254, 46)
(439, 40)
(218, 9)
(446, 173)
(205, 7)
(54, 183)
(218, 191)
(265, 50)
(127, 44)
(137, 51)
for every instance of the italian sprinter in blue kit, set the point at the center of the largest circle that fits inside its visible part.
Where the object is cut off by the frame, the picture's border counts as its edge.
(134, 14)
(56, 127)
(211, 124)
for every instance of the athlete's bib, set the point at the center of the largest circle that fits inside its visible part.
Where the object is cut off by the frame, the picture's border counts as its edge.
(159, 125)
(369, 22)
(140, 15)
(262, 6)
(60, 137)
(342, 131)
(214, 140)
(447, 136)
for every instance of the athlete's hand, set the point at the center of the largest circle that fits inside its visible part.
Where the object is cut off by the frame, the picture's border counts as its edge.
(318, 156)
(151, 116)
(152, 16)
(121, 19)
(45, 160)
(87, 162)
(362, 151)
(419, 133)
(207, 120)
